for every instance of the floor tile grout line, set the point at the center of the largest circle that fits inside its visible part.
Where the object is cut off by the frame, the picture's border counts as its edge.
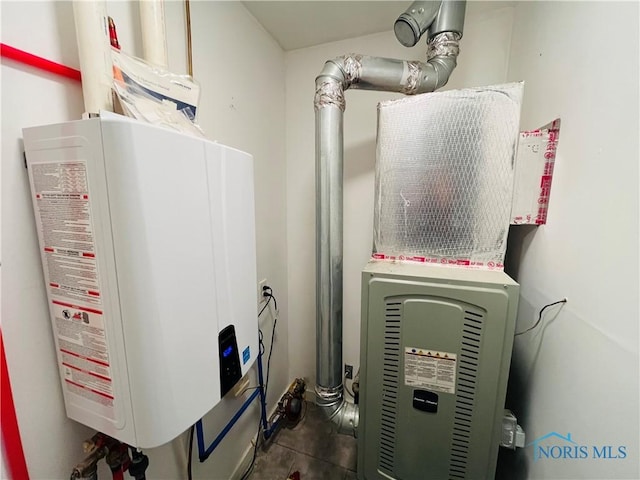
(316, 458)
(265, 455)
(324, 459)
(309, 423)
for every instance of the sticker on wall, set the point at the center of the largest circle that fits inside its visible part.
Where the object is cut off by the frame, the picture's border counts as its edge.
(430, 369)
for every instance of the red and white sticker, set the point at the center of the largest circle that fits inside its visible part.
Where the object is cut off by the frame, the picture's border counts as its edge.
(84, 356)
(442, 261)
(547, 174)
(67, 237)
(534, 174)
(66, 230)
(430, 369)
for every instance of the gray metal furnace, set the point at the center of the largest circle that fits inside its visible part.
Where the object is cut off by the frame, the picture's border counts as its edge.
(435, 352)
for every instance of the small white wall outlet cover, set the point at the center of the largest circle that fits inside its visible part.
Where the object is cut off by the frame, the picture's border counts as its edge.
(261, 298)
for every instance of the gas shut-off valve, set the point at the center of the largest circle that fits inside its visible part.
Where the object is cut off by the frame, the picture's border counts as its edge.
(116, 455)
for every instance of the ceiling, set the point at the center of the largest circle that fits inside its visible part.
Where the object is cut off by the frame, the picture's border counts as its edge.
(305, 23)
(301, 24)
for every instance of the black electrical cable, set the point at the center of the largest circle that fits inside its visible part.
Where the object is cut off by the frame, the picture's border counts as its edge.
(564, 300)
(260, 334)
(189, 461)
(273, 332)
(266, 304)
(268, 293)
(260, 342)
(247, 472)
(344, 382)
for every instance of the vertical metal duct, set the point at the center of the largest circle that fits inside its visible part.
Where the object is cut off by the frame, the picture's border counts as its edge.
(445, 21)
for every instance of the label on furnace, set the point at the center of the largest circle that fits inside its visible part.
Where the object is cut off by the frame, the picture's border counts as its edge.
(430, 369)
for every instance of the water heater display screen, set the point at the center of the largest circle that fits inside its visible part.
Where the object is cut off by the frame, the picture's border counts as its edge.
(230, 370)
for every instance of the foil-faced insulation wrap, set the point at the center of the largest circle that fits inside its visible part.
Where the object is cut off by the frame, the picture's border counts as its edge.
(413, 72)
(352, 67)
(329, 93)
(444, 175)
(444, 45)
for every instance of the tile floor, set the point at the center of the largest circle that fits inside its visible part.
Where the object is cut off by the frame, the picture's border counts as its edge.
(312, 448)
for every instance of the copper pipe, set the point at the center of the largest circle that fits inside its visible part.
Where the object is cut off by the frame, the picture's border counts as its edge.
(187, 9)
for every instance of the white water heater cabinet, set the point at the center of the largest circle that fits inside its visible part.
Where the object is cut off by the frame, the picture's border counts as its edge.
(147, 239)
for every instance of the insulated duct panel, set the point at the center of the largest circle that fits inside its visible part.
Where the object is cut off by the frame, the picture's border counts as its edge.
(444, 175)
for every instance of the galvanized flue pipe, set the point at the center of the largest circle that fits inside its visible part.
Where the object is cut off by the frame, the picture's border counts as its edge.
(444, 22)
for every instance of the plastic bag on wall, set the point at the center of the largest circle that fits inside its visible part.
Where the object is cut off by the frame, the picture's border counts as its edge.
(154, 95)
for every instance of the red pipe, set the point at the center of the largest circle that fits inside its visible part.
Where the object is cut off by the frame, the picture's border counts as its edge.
(13, 451)
(38, 62)
(14, 455)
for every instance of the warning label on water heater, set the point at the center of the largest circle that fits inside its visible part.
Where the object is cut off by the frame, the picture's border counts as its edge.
(67, 237)
(64, 224)
(83, 351)
(430, 369)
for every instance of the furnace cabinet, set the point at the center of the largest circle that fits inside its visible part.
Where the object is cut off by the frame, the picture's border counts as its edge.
(435, 353)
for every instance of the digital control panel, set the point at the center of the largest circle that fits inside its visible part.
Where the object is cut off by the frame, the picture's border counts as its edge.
(230, 370)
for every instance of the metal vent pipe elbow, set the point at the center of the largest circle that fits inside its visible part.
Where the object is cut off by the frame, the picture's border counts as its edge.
(338, 75)
(410, 25)
(436, 17)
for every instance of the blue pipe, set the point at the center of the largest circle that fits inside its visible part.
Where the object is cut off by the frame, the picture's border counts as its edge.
(263, 398)
(268, 430)
(205, 454)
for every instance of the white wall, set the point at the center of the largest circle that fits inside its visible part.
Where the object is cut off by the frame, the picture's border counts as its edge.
(579, 374)
(240, 69)
(580, 61)
(483, 60)
(29, 99)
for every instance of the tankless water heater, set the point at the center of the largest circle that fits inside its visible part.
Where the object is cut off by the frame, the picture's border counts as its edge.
(147, 238)
(435, 354)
